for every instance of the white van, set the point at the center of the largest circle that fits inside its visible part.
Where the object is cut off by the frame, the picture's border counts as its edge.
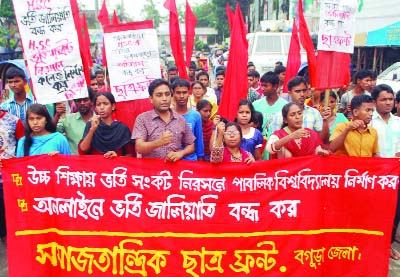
(267, 48)
(391, 77)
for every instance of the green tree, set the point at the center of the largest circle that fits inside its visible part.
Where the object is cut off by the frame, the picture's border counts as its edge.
(150, 11)
(199, 45)
(9, 36)
(205, 15)
(219, 11)
(122, 14)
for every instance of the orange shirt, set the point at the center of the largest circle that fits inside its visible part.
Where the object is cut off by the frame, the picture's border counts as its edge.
(357, 144)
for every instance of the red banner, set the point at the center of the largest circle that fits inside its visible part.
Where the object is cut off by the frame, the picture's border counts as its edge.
(312, 216)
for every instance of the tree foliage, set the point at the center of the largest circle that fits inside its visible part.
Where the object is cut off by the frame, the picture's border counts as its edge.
(150, 12)
(221, 18)
(205, 15)
(199, 45)
(122, 14)
(9, 37)
(212, 13)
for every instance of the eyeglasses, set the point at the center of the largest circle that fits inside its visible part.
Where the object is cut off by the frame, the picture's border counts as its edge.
(228, 133)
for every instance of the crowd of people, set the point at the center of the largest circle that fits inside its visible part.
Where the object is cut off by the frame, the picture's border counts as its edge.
(184, 124)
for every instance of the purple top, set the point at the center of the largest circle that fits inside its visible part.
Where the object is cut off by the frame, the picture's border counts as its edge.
(149, 127)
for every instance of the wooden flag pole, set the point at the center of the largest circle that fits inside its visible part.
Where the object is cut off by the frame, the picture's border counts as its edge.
(326, 99)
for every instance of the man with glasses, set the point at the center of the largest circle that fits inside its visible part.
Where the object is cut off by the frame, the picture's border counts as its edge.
(312, 118)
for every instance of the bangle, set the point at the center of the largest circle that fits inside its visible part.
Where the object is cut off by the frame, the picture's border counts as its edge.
(213, 128)
(273, 147)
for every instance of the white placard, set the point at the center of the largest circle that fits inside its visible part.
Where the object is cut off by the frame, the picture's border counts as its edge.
(133, 62)
(337, 25)
(51, 47)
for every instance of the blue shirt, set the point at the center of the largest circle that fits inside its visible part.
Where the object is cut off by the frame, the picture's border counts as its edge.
(193, 119)
(218, 93)
(254, 139)
(16, 109)
(312, 119)
(45, 144)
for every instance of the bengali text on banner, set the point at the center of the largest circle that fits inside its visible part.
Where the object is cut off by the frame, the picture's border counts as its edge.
(311, 216)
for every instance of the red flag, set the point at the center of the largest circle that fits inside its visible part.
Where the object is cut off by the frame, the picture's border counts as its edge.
(78, 26)
(175, 38)
(103, 55)
(306, 41)
(230, 15)
(333, 70)
(294, 57)
(115, 19)
(103, 16)
(190, 25)
(86, 39)
(235, 85)
(104, 19)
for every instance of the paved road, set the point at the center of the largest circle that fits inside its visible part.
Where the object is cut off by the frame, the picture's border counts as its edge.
(3, 260)
(394, 266)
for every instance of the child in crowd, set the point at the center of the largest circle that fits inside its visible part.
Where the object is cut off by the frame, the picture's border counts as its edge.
(204, 107)
(252, 138)
(258, 123)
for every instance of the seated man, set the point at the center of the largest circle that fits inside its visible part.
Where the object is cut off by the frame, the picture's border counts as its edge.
(356, 138)
(161, 132)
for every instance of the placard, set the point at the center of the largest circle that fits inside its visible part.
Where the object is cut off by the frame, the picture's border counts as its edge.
(337, 25)
(51, 48)
(310, 216)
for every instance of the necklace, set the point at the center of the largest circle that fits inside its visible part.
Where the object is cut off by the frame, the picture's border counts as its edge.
(236, 157)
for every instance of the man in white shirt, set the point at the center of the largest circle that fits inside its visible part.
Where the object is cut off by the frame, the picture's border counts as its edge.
(388, 128)
(386, 124)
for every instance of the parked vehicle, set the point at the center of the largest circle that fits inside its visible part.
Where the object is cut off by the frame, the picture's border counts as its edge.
(391, 77)
(267, 48)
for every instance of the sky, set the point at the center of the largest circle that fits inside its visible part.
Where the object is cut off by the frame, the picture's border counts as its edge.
(134, 7)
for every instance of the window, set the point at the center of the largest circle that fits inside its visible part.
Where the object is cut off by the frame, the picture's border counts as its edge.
(270, 44)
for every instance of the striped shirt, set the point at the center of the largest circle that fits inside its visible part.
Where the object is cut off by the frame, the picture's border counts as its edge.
(312, 119)
(16, 109)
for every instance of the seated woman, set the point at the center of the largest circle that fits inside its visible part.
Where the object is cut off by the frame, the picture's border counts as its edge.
(41, 136)
(103, 135)
(293, 140)
(231, 135)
